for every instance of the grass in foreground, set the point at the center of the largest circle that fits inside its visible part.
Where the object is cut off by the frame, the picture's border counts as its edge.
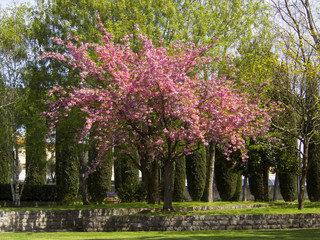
(202, 235)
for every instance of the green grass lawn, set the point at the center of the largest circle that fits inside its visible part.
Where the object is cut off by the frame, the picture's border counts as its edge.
(202, 235)
(277, 208)
(77, 206)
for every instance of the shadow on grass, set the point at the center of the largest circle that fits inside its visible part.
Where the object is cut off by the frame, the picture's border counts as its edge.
(305, 234)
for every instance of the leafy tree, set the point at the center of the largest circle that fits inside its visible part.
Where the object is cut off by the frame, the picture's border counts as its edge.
(171, 20)
(300, 50)
(149, 101)
(14, 33)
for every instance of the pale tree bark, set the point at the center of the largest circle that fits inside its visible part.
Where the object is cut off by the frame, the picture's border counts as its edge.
(208, 194)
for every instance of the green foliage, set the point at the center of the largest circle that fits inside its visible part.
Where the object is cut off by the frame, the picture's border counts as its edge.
(67, 158)
(313, 175)
(127, 178)
(36, 157)
(288, 186)
(257, 171)
(227, 176)
(179, 180)
(196, 173)
(132, 192)
(99, 182)
(4, 174)
(40, 193)
(125, 170)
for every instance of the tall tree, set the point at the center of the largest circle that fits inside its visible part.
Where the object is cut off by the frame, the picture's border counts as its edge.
(199, 21)
(13, 50)
(154, 102)
(300, 51)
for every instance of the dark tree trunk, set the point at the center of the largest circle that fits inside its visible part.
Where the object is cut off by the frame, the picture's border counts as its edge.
(276, 187)
(266, 182)
(168, 174)
(150, 176)
(244, 190)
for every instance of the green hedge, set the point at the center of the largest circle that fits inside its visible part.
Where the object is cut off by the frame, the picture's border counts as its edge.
(179, 180)
(40, 193)
(228, 178)
(196, 173)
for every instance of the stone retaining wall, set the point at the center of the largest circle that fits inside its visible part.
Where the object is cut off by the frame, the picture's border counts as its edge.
(107, 220)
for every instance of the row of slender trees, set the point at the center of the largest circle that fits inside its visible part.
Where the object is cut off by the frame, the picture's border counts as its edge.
(244, 29)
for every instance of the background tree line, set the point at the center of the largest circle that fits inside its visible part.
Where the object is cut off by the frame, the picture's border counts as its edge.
(245, 30)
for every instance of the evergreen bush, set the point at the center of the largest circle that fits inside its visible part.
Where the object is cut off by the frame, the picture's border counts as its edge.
(313, 174)
(196, 173)
(99, 182)
(227, 176)
(288, 186)
(179, 180)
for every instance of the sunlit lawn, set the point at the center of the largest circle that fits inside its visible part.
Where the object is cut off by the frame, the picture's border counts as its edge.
(275, 209)
(203, 235)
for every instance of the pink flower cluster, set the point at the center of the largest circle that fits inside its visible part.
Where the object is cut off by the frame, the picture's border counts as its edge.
(153, 101)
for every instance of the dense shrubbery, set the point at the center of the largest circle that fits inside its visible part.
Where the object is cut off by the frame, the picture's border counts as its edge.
(179, 180)
(132, 192)
(196, 173)
(41, 193)
(227, 177)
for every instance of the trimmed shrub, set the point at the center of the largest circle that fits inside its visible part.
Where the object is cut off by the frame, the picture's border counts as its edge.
(255, 173)
(227, 177)
(196, 173)
(39, 193)
(99, 182)
(313, 174)
(288, 186)
(179, 180)
(67, 161)
(237, 193)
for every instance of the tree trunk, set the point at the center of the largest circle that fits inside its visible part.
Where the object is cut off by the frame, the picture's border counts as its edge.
(150, 176)
(168, 174)
(208, 196)
(244, 190)
(303, 176)
(275, 188)
(266, 183)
